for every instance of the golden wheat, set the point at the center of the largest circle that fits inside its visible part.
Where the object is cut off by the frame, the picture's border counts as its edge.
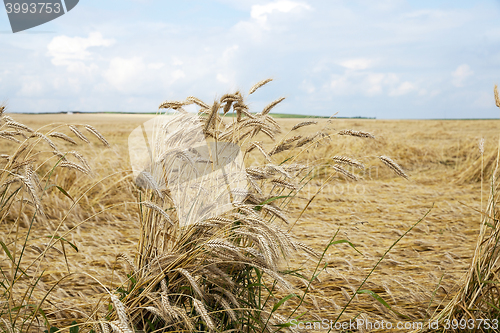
(258, 85)
(271, 105)
(393, 166)
(97, 134)
(302, 124)
(360, 134)
(497, 98)
(78, 134)
(63, 136)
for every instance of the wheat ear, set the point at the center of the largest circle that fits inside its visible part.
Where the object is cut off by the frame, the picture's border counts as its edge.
(192, 281)
(128, 260)
(62, 136)
(360, 134)
(200, 308)
(497, 98)
(118, 327)
(71, 165)
(44, 137)
(157, 209)
(79, 134)
(393, 166)
(123, 321)
(258, 85)
(348, 161)
(16, 125)
(97, 134)
(9, 137)
(304, 123)
(198, 102)
(345, 173)
(271, 105)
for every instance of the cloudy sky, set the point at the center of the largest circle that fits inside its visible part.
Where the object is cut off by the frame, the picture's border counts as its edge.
(384, 59)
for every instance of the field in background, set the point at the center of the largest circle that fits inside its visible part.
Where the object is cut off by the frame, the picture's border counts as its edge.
(372, 213)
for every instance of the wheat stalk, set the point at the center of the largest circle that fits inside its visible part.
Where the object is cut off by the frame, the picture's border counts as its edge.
(119, 327)
(497, 98)
(62, 136)
(72, 165)
(159, 210)
(32, 176)
(31, 191)
(192, 281)
(129, 261)
(175, 105)
(78, 134)
(393, 166)
(277, 212)
(211, 115)
(45, 138)
(225, 304)
(197, 101)
(200, 308)
(360, 134)
(15, 124)
(302, 124)
(345, 173)
(258, 85)
(97, 134)
(82, 160)
(121, 312)
(271, 105)
(348, 161)
(279, 148)
(9, 137)
(306, 140)
(285, 184)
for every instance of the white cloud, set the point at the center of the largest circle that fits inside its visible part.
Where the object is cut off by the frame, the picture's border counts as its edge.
(124, 74)
(308, 86)
(484, 100)
(156, 65)
(374, 83)
(32, 87)
(260, 12)
(357, 64)
(229, 52)
(403, 89)
(461, 74)
(135, 75)
(222, 78)
(177, 62)
(177, 74)
(370, 84)
(65, 50)
(260, 24)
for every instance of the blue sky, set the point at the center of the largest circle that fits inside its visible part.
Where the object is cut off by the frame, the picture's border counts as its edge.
(384, 59)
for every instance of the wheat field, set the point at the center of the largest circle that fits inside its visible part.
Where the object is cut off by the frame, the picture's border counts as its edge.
(369, 207)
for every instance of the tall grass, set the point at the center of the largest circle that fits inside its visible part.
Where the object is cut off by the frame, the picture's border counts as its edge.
(476, 306)
(228, 271)
(26, 176)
